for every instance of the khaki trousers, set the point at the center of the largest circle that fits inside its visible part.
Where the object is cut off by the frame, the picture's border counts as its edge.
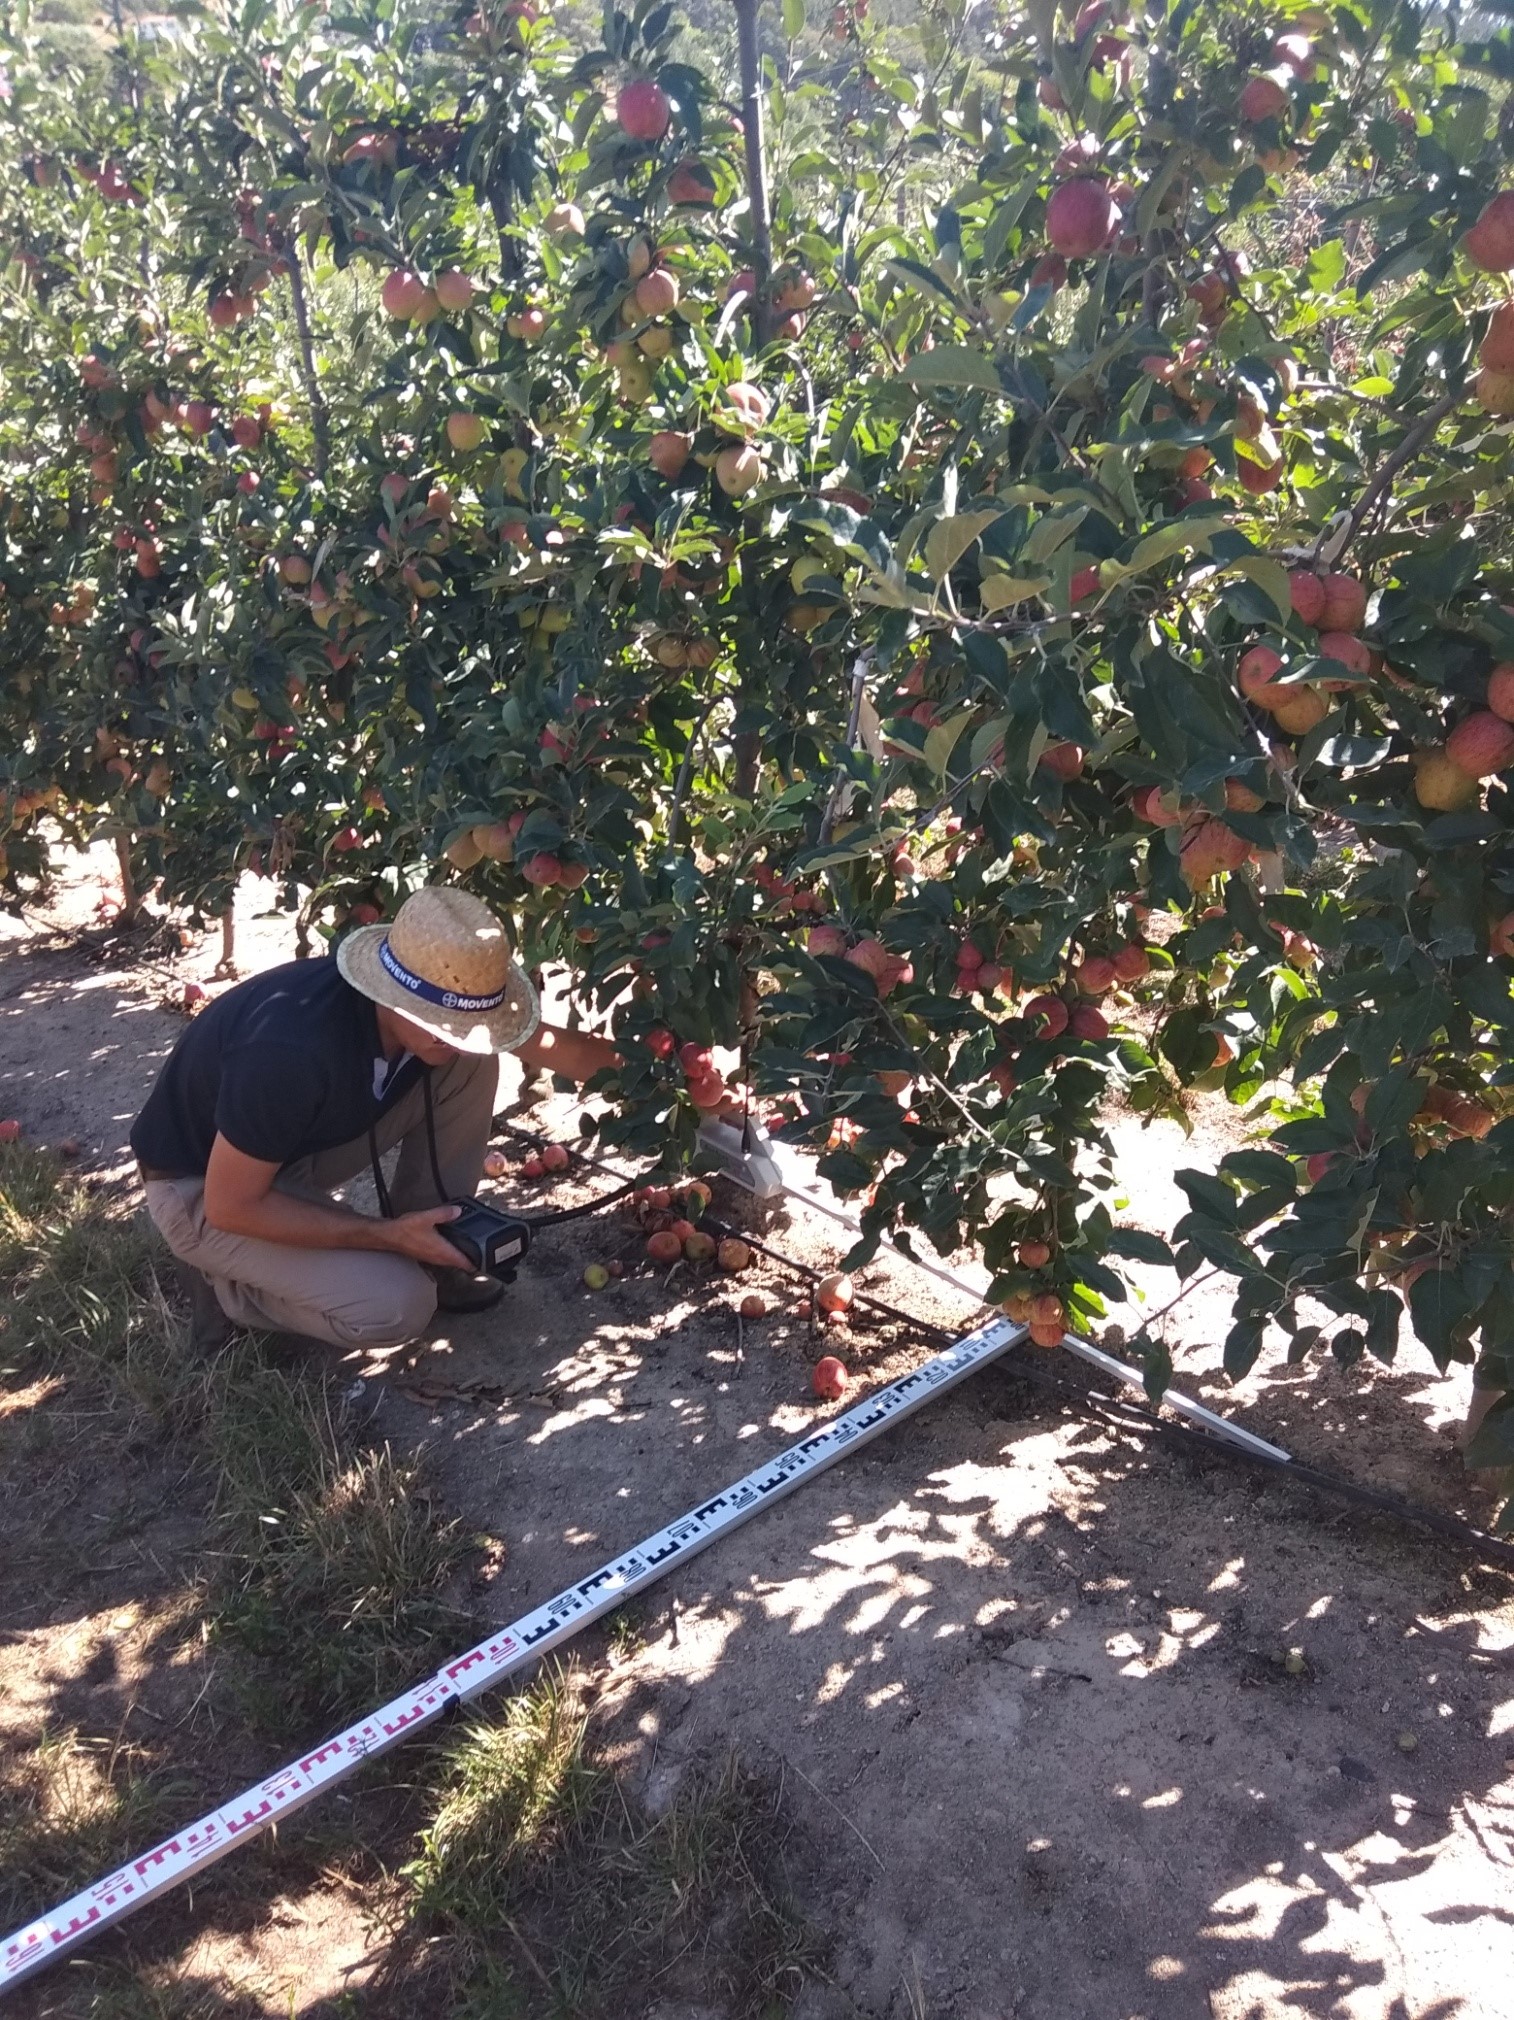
(348, 1297)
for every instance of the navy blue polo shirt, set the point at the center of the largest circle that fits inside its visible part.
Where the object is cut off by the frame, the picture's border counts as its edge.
(283, 1066)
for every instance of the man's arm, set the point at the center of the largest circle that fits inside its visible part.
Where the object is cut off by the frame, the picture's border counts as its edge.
(576, 1055)
(241, 1198)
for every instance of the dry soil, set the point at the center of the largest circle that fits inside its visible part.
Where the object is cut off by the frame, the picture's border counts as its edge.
(1024, 1669)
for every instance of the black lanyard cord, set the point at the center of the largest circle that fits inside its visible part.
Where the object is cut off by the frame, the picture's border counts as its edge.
(386, 1209)
(443, 1197)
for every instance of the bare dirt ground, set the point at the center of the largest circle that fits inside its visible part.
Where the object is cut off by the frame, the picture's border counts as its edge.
(1021, 1673)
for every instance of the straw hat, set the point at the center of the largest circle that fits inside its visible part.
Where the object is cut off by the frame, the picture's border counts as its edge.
(444, 962)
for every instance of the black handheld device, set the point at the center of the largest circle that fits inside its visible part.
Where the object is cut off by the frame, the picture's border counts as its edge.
(491, 1243)
(488, 1242)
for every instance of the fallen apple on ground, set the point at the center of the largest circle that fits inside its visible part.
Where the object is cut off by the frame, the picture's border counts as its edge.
(833, 1293)
(828, 1378)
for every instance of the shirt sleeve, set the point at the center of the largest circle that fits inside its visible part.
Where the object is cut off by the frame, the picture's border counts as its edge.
(270, 1096)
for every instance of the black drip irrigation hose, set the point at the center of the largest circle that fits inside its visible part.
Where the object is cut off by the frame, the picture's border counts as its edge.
(1185, 1438)
(568, 1212)
(1128, 1415)
(578, 1212)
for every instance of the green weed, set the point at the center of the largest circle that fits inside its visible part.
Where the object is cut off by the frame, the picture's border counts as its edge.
(325, 1560)
(536, 1888)
(558, 1897)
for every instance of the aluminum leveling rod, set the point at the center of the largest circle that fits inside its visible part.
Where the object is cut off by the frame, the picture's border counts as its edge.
(503, 1654)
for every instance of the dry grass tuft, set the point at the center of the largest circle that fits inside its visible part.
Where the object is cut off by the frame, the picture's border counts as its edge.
(75, 1807)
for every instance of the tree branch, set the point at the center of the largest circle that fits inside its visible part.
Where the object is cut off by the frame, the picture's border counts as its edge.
(320, 419)
(685, 770)
(1408, 448)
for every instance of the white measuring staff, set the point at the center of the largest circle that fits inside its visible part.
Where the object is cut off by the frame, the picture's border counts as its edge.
(189, 1852)
(799, 1185)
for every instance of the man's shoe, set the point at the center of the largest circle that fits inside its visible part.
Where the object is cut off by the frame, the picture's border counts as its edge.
(458, 1291)
(209, 1327)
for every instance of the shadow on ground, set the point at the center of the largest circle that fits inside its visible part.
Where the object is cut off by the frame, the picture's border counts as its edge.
(1072, 1726)
(1067, 1726)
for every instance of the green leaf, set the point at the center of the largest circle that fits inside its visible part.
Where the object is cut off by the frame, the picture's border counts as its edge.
(999, 592)
(949, 539)
(793, 19)
(1135, 1245)
(1051, 532)
(1217, 1247)
(1271, 578)
(1382, 1326)
(1326, 268)
(1036, 301)
(844, 1170)
(1178, 536)
(1209, 1195)
(1492, 1443)
(1243, 1344)
(1102, 1282)
(953, 365)
(1155, 1358)
(942, 741)
(1396, 1097)
(1262, 1170)
(853, 850)
(1438, 1305)
(928, 282)
(985, 736)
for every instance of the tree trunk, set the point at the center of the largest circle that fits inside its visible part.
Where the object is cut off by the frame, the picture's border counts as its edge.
(750, 57)
(320, 420)
(131, 903)
(747, 746)
(227, 965)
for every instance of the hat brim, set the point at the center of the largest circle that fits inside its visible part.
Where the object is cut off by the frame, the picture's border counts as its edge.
(479, 1031)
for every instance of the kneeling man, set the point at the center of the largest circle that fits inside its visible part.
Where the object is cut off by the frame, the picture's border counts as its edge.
(295, 1081)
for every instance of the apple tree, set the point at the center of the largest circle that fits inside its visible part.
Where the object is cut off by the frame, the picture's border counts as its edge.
(970, 572)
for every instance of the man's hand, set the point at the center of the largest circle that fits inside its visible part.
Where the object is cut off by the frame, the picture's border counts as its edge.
(418, 1236)
(242, 1198)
